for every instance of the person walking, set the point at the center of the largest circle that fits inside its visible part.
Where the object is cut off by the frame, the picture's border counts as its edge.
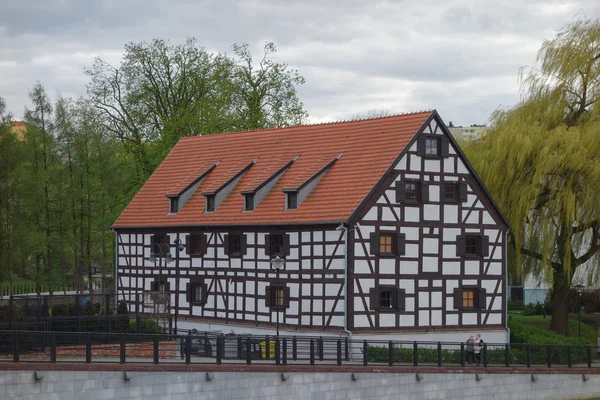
(470, 349)
(477, 348)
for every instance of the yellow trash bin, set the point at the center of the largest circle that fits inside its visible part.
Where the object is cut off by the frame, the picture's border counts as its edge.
(263, 349)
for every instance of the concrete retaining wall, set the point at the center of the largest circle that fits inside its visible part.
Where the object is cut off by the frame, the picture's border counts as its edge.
(177, 385)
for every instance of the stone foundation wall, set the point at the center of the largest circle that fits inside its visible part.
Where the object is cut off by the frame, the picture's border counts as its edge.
(236, 384)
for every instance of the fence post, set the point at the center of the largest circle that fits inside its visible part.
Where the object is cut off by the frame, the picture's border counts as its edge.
(589, 356)
(321, 348)
(507, 355)
(248, 350)
(88, 348)
(239, 348)
(16, 346)
(339, 352)
(155, 349)
(415, 354)
(294, 348)
(485, 355)
(569, 356)
(53, 347)
(122, 348)
(188, 347)
(138, 323)
(312, 351)
(365, 353)
(528, 355)
(268, 349)
(390, 353)
(346, 350)
(462, 354)
(284, 351)
(439, 353)
(277, 352)
(219, 349)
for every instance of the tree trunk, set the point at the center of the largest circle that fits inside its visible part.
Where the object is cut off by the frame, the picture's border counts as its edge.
(560, 305)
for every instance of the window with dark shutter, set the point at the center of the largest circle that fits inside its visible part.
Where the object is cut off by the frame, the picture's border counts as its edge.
(472, 245)
(196, 244)
(196, 293)
(451, 192)
(160, 285)
(470, 298)
(387, 299)
(433, 146)
(278, 297)
(277, 245)
(387, 243)
(160, 245)
(235, 245)
(411, 191)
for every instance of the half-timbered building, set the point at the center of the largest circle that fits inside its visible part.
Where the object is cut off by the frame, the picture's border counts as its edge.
(384, 226)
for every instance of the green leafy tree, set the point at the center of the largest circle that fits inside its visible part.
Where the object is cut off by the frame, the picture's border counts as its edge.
(541, 162)
(161, 92)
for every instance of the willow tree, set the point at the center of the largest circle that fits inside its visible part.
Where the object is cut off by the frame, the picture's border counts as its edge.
(541, 161)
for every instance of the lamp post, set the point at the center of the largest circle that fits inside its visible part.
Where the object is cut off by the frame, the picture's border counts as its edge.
(163, 248)
(277, 263)
(178, 248)
(579, 288)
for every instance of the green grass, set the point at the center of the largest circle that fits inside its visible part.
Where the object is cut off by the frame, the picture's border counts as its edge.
(588, 333)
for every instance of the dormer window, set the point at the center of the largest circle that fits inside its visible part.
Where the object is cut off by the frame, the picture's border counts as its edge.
(210, 203)
(174, 207)
(292, 200)
(249, 202)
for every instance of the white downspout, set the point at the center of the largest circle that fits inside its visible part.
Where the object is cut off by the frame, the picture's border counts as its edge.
(345, 227)
(116, 268)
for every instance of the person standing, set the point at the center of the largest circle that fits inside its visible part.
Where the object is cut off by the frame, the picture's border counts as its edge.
(477, 348)
(470, 349)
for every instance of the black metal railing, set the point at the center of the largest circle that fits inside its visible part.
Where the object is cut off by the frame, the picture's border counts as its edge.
(217, 348)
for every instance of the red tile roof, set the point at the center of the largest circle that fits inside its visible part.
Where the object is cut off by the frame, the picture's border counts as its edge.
(369, 148)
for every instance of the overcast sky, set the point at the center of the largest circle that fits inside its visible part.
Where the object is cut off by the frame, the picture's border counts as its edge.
(457, 56)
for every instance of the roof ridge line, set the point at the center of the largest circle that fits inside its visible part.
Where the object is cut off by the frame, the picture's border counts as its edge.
(345, 121)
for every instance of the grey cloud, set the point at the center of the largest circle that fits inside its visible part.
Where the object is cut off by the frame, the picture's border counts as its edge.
(459, 56)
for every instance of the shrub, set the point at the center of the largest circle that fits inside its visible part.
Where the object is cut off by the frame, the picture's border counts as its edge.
(515, 303)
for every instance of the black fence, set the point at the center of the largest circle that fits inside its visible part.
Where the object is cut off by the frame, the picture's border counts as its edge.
(216, 348)
(32, 288)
